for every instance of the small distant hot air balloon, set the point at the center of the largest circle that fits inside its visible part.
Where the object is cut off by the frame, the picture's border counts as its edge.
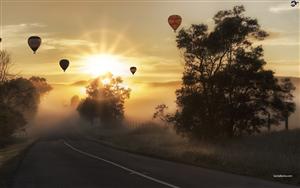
(34, 43)
(64, 64)
(0, 39)
(294, 3)
(132, 70)
(174, 21)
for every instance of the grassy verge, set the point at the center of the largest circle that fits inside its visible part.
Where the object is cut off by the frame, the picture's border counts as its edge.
(260, 156)
(10, 157)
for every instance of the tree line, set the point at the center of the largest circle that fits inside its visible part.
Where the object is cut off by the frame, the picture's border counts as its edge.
(19, 98)
(226, 90)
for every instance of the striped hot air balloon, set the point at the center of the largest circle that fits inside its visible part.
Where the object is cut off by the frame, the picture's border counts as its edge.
(174, 21)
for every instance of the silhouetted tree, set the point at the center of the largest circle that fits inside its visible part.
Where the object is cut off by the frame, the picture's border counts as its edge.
(225, 89)
(88, 109)
(40, 84)
(105, 101)
(283, 101)
(10, 120)
(5, 64)
(160, 113)
(20, 95)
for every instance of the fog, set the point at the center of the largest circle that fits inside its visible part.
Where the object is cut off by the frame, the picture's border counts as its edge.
(55, 109)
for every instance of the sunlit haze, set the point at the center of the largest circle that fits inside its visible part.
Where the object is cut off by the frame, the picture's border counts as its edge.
(101, 37)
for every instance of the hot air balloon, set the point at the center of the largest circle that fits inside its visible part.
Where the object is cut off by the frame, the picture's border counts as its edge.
(174, 21)
(0, 39)
(34, 43)
(294, 3)
(64, 64)
(132, 70)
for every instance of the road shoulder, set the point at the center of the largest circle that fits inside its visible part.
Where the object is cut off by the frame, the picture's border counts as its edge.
(10, 159)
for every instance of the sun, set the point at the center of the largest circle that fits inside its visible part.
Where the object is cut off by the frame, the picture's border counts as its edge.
(100, 64)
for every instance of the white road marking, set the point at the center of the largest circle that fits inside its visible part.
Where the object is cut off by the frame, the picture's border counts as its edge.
(121, 166)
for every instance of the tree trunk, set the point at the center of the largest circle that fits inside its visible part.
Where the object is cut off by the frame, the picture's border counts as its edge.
(269, 122)
(230, 131)
(92, 121)
(286, 123)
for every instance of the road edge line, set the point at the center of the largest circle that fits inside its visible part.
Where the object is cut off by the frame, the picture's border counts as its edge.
(120, 166)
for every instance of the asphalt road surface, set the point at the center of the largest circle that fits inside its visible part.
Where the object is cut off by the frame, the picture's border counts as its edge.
(71, 162)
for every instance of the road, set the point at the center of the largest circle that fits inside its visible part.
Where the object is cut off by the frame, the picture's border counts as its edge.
(71, 162)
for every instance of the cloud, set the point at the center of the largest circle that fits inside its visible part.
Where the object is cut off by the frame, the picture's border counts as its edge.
(80, 83)
(16, 34)
(284, 68)
(274, 34)
(18, 30)
(283, 8)
(278, 42)
(165, 84)
(54, 43)
(280, 38)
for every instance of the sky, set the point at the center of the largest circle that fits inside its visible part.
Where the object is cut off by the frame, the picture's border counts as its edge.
(100, 36)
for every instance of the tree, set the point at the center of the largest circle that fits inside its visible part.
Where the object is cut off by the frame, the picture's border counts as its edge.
(225, 89)
(283, 101)
(20, 95)
(160, 114)
(10, 121)
(5, 64)
(105, 101)
(88, 109)
(40, 84)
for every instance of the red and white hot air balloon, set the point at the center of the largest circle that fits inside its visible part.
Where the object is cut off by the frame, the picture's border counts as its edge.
(174, 21)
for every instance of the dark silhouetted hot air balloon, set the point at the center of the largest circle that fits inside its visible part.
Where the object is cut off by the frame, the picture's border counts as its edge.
(0, 39)
(174, 21)
(34, 43)
(64, 64)
(132, 70)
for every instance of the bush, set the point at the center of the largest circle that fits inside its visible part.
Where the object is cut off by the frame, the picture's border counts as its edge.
(10, 121)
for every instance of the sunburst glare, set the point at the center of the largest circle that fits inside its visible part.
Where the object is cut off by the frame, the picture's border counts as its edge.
(100, 64)
(105, 55)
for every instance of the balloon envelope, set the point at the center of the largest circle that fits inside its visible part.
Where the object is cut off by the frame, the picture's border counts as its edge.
(174, 21)
(64, 64)
(34, 43)
(132, 70)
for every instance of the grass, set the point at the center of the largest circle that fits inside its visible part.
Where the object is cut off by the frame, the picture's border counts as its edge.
(259, 156)
(10, 156)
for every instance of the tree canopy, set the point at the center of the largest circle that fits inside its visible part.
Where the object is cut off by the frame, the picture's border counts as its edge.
(226, 91)
(40, 84)
(105, 101)
(19, 97)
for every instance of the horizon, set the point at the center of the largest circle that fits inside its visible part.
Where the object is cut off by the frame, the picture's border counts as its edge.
(100, 37)
(129, 93)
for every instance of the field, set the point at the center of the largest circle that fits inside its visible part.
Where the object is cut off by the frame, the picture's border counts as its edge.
(260, 156)
(10, 156)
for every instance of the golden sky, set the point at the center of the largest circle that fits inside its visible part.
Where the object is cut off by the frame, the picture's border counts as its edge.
(99, 36)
